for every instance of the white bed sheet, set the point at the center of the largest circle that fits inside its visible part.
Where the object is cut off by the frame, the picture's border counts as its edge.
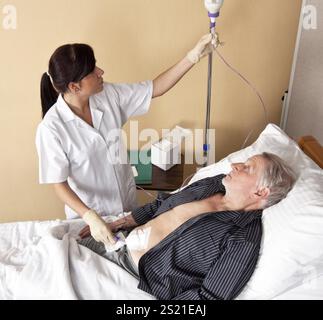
(42, 260)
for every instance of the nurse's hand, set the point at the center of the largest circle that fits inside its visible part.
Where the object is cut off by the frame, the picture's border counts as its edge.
(206, 45)
(98, 228)
(113, 226)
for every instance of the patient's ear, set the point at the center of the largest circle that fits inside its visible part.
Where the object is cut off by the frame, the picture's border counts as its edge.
(262, 193)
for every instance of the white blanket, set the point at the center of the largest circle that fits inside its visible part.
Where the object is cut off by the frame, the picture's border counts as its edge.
(42, 260)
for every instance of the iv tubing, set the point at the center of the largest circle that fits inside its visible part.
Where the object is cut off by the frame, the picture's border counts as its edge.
(251, 86)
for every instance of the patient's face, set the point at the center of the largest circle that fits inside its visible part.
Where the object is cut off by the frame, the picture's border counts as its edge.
(242, 181)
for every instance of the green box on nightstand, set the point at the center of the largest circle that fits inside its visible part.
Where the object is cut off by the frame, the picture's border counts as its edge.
(142, 161)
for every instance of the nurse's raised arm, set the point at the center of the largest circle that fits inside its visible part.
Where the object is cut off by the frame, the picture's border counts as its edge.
(170, 77)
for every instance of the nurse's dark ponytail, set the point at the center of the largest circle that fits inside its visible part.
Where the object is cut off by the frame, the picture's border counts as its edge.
(69, 63)
(48, 93)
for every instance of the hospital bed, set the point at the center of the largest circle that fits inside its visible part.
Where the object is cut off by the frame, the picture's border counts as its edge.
(42, 260)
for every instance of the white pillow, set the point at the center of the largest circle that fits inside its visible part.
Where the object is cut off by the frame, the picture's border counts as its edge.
(292, 244)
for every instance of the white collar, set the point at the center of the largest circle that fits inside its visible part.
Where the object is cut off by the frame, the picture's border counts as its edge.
(67, 114)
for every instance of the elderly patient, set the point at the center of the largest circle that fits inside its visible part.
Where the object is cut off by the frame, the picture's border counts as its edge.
(202, 242)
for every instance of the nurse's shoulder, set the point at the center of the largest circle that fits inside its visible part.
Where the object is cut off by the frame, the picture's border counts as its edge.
(52, 121)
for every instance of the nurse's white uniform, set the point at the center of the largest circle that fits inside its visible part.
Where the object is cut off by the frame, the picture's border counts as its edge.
(71, 150)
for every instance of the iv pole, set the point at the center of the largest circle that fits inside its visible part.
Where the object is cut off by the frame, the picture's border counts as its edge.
(206, 145)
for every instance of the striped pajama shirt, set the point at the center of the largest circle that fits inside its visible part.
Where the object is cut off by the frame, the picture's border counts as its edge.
(211, 256)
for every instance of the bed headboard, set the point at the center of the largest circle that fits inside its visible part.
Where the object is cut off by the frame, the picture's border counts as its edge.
(312, 148)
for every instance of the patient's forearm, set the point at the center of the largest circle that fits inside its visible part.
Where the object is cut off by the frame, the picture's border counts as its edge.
(68, 196)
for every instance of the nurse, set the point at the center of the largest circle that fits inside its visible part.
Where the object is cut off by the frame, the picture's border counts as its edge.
(77, 142)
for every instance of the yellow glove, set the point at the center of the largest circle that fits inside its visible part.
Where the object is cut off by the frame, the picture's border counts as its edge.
(98, 228)
(206, 45)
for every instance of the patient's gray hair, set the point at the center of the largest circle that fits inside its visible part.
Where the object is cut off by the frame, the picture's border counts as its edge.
(278, 176)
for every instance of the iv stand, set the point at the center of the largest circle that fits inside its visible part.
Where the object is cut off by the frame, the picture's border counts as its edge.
(206, 145)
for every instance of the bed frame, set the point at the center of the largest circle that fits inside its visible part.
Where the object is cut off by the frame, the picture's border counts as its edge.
(312, 148)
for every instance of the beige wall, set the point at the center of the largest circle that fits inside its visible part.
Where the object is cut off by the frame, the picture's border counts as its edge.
(306, 96)
(136, 40)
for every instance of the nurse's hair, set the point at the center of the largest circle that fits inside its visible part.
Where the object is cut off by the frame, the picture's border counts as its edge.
(69, 63)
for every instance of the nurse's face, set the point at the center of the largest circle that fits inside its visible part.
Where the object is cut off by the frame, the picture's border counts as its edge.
(92, 83)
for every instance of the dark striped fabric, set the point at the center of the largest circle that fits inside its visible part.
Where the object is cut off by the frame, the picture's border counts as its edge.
(211, 256)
